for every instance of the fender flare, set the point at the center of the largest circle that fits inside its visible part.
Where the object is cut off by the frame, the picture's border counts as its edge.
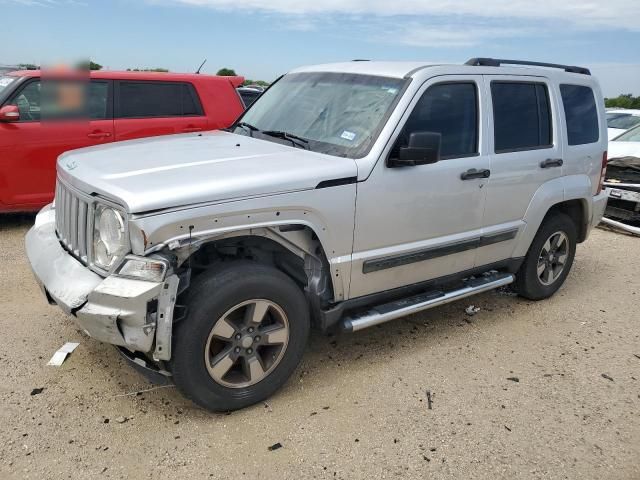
(548, 195)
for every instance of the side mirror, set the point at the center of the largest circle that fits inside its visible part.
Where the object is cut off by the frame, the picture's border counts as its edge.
(9, 113)
(423, 148)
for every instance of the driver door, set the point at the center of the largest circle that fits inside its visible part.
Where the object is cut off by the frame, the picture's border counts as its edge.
(416, 223)
(30, 147)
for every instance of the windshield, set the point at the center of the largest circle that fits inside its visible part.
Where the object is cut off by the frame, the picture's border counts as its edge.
(5, 81)
(333, 113)
(624, 121)
(632, 135)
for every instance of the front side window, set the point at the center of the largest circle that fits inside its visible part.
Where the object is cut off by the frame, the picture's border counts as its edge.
(521, 116)
(334, 113)
(450, 109)
(156, 99)
(581, 114)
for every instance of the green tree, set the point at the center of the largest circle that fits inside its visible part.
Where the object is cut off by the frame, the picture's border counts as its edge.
(27, 66)
(626, 100)
(226, 72)
(262, 83)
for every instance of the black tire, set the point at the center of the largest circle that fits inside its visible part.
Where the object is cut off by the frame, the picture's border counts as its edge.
(528, 283)
(208, 299)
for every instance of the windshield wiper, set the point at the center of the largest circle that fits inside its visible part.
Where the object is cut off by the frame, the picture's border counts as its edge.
(248, 126)
(294, 139)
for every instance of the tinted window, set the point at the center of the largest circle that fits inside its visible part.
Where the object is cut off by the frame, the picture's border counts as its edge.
(97, 100)
(157, 99)
(248, 97)
(581, 114)
(450, 109)
(521, 116)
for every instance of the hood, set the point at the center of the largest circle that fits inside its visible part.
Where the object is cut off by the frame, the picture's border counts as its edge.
(178, 170)
(623, 149)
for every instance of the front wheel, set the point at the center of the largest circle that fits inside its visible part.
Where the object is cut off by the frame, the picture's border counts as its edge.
(245, 333)
(549, 258)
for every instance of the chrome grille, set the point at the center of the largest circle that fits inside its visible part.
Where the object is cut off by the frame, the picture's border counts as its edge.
(72, 221)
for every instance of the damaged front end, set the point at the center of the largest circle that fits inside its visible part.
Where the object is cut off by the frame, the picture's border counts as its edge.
(133, 308)
(622, 184)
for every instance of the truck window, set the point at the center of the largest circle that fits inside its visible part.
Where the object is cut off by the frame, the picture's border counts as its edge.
(157, 99)
(581, 114)
(450, 109)
(521, 116)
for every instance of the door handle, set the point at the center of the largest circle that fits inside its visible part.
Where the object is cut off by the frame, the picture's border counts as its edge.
(473, 173)
(99, 135)
(551, 162)
(191, 129)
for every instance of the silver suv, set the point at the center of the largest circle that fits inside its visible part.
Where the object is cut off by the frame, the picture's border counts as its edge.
(346, 196)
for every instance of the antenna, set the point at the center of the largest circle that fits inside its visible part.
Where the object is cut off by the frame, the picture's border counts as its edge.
(200, 67)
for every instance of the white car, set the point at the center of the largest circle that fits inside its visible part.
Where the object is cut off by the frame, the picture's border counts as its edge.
(623, 182)
(621, 120)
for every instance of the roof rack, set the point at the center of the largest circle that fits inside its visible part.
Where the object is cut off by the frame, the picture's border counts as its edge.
(496, 62)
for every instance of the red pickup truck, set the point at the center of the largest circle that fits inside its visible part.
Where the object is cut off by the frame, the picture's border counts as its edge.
(119, 106)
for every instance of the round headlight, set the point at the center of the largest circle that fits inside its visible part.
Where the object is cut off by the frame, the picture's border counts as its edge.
(111, 227)
(109, 241)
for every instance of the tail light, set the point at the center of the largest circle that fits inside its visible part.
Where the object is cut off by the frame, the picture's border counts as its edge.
(603, 172)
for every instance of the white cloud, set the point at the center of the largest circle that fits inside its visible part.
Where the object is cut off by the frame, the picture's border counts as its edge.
(577, 13)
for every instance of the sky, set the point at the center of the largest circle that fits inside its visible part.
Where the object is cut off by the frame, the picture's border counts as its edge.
(262, 39)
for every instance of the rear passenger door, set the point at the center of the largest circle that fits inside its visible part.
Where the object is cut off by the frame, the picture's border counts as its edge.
(152, 108)
(525, 152)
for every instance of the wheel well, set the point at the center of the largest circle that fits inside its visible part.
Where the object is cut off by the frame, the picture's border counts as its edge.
(310, 270)
(576, 210)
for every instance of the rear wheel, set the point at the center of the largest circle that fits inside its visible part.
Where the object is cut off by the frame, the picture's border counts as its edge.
(245, 334)
(549, 258)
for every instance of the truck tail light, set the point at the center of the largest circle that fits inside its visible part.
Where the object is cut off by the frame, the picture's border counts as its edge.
(603, 172)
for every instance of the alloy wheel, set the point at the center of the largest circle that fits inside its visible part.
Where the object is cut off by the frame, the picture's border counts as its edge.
(247, 343)
(552, 258)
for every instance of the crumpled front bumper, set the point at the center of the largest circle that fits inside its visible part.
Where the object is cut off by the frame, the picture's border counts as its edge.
(623, 211)
(114, 310)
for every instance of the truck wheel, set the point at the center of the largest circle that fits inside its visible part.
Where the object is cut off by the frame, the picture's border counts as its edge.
(244, 335)
(549, 258)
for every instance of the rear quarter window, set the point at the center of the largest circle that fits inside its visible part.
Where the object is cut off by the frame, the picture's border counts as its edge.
(581, 114)
(157, 99)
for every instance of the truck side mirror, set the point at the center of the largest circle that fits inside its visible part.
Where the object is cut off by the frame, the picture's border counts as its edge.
(9, 113)
(423, 148)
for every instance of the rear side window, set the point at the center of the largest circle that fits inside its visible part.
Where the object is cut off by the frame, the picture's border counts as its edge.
(450, 109)
(521, 116)
(581, 114)
(157, 99)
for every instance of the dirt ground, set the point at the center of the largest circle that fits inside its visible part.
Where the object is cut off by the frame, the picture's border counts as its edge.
(520, 390)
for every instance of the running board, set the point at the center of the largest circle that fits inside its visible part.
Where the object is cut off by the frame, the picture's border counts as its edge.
(406, 306)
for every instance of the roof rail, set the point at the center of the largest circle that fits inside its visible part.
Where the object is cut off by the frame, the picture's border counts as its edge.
(496, 62)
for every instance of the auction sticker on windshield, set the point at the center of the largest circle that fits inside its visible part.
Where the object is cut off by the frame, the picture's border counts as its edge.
(348, 135)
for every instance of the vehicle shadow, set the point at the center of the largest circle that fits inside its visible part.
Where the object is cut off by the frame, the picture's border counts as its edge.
(13, 221)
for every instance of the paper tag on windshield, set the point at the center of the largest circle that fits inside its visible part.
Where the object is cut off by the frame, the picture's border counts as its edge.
(348, 135)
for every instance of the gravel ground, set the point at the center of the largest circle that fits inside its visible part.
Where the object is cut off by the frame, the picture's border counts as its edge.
(520, 390)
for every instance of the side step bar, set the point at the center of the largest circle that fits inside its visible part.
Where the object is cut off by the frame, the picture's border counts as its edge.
(424, 301)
